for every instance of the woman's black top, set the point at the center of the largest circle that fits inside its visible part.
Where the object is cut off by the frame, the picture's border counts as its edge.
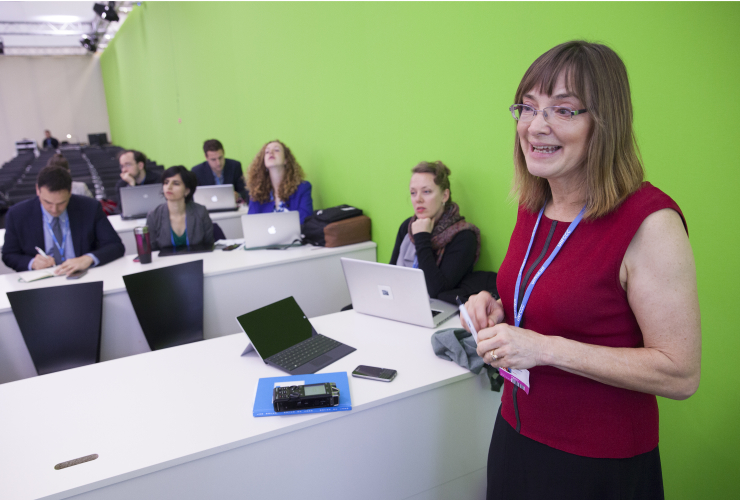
(457, 261)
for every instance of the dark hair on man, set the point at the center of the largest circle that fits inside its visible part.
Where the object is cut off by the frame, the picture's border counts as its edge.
(54, 179)
(440, 172)
(139, 157)
(212, 145)
(188, 178)
(58, 160)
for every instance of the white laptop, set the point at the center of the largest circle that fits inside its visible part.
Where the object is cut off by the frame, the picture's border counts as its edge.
(393, 292)
(271, 230)
(216, 198)
(137, 201)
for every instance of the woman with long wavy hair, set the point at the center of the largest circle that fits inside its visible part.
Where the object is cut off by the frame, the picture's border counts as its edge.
(276, 182)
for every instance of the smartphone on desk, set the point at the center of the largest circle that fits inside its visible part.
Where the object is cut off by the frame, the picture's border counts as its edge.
(374, 373)
(77, 274)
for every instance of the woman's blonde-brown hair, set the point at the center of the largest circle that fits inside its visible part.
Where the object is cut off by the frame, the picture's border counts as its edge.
(258, 178)
(596, 75)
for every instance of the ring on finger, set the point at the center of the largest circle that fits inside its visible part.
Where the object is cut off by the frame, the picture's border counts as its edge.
(492, 352)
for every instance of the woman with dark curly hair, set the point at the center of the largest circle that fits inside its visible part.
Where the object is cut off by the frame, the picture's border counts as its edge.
(436, 239)
(275, 182)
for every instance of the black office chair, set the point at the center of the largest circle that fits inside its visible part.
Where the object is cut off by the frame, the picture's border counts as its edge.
(169, 303)
(61, 324)
(218, 233)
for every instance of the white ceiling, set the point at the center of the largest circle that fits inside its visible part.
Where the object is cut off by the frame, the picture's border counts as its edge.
(53, 12)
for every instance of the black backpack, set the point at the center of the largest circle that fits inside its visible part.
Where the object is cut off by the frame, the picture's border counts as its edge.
(313, 226)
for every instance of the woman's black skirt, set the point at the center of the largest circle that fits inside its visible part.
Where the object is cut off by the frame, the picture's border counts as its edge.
(521, 468)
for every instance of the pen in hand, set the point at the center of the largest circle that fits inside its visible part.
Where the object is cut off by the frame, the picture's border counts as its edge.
(41, 252)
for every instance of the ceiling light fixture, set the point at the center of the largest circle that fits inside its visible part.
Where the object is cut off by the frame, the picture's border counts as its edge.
(89, 42)
(106, 12)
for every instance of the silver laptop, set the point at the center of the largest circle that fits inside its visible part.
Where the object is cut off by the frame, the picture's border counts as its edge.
(271, 230)
(393, 292)
(216, 198)
(137, 201)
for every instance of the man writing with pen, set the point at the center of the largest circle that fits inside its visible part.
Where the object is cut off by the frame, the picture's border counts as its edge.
(57, 228)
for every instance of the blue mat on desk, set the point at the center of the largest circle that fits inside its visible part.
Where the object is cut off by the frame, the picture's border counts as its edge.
(263, 399)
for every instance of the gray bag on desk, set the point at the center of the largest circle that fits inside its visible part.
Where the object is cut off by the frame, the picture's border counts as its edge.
(456, 344)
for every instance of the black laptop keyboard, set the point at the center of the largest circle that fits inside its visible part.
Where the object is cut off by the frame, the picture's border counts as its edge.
(302, 353)
(435, 312)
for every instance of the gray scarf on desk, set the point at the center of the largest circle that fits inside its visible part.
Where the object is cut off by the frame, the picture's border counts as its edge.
(456, 344)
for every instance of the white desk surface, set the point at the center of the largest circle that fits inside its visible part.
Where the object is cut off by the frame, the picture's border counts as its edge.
(154, 411)
(121, 225)
(230, 223)
(214, 263)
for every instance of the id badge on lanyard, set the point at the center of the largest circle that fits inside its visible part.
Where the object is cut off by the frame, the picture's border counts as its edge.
(187, 238)
(60, 248)
(520, 378)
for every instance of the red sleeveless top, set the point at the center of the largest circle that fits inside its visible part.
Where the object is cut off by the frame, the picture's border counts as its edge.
(579, 297)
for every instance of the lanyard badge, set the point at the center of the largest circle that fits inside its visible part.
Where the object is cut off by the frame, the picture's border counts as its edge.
(187, 238)
(520, 378)
(60, 248)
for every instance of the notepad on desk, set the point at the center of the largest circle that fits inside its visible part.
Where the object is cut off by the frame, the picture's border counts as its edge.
(42, 274)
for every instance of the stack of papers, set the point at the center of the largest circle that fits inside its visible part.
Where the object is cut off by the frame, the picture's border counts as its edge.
(42, 274)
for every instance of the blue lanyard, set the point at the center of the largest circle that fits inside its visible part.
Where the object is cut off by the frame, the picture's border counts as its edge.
(187, 239)
(519, 310)
(60, 248)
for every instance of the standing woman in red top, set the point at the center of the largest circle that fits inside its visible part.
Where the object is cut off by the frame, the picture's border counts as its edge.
(598, 293)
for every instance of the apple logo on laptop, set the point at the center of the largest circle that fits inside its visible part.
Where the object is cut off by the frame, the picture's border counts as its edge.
(271, 230)
(214, 199)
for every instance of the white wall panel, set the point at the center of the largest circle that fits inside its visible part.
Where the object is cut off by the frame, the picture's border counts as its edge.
(62, 94)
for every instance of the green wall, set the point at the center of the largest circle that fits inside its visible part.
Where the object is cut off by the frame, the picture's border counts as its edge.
(361, 92)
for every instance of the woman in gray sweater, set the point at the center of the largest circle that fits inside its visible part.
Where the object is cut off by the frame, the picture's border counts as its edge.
(179, 222)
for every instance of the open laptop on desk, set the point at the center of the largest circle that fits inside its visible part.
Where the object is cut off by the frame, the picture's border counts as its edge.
(284, 338)
(137, 201)
(393, 292)
(216, 198)
(271, 230)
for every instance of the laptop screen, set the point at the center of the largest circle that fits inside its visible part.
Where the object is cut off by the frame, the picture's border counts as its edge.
(137, 201)
(276, 327)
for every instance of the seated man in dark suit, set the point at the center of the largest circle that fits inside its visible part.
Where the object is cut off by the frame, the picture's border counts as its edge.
(134, 172)
(49, 141)
(72, 230)
(217, 170)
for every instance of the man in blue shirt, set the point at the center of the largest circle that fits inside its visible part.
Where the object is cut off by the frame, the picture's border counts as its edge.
(58, 228)
(217, 170)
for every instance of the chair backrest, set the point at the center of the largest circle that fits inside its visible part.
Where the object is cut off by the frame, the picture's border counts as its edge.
(61, 324)
(169, 303)
(218, 233)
